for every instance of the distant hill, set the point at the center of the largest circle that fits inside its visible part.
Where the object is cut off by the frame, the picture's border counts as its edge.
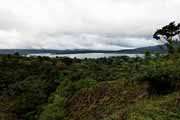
(153, 49)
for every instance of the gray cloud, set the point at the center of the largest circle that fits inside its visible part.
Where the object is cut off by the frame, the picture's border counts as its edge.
(92, 24)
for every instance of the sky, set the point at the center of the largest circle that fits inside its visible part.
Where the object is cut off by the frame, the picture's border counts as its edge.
(83, 24)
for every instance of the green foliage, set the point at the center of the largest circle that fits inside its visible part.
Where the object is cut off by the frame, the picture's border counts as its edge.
(25, 84)
(43, 88)
(163, 76)
(147, 55)
(155, 108)
(56, 107)
(54, 110)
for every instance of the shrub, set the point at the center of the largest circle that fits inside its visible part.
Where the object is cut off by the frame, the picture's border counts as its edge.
(55, 110)
(163, 76)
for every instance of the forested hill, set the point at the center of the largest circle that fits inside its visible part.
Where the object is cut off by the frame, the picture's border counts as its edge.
(158, 48)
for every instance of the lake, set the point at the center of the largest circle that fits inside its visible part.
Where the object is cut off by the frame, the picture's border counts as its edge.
(86, 55)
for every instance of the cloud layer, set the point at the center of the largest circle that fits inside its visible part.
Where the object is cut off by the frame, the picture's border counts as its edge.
(83, 24)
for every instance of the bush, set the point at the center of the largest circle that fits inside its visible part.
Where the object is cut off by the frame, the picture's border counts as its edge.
(55, 110)
(163, 76)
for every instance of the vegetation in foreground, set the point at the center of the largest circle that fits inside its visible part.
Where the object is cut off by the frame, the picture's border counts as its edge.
(91, 89)
(116, 88)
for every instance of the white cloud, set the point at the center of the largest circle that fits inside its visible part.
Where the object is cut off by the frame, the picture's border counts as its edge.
(92, 24)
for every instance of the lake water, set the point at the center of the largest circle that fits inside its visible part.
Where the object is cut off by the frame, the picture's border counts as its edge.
(86, 55)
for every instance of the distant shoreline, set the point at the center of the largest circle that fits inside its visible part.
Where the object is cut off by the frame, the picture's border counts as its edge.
(85, 55)
(152, 49)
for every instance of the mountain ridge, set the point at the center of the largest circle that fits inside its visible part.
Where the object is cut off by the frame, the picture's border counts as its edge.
(153, 49)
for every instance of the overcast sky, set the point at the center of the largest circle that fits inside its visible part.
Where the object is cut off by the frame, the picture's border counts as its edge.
(83, 24)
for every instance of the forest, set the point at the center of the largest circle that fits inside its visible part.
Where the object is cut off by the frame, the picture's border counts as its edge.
(114, 88)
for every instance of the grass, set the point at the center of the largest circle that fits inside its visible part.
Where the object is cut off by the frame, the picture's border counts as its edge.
(155, 108)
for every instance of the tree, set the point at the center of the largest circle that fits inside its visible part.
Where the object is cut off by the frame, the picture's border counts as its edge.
(167, 33)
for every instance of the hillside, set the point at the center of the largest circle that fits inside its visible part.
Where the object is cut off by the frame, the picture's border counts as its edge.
(118, 88)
